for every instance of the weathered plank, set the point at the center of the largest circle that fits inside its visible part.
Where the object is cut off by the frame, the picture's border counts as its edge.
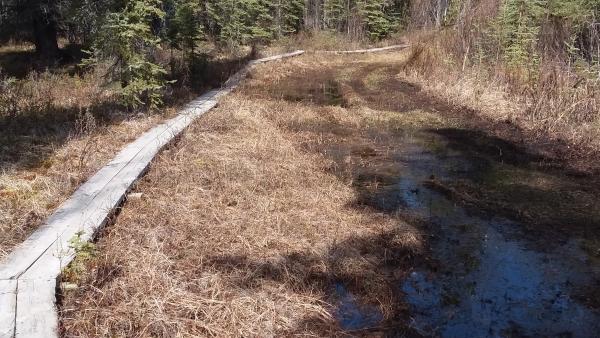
(8, 307)
(59, 254)
(277, 57)
(363, 51)
(36, 315)
(70, 212)
(79, 209)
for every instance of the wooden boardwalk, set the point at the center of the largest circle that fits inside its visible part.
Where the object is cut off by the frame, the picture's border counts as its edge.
(29, 273)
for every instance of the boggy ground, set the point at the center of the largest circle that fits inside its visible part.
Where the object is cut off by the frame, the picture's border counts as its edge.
(330, 197)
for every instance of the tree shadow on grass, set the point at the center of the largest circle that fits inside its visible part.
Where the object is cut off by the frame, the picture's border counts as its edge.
(508, 180)
(500, 174)
(21, 62)
(29, 138)
(205, 72)
(359, 277)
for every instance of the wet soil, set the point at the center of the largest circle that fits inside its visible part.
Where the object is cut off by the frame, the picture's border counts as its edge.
(512, 235)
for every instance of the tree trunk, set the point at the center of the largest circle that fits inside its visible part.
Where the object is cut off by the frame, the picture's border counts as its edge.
(441, 11)
(45, 36)
(313, 15)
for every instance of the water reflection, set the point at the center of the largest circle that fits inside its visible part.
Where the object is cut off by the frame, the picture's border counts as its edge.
(488, 279)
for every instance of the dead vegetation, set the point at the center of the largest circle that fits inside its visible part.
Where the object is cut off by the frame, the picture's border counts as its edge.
(246, 229)
(326, 40)
(269, 212)
(558, 105)
(272, 209)
(55, 131)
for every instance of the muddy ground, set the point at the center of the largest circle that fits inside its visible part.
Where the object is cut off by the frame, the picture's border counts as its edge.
(504, 240)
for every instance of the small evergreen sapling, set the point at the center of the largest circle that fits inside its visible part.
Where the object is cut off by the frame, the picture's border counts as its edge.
(127, 40)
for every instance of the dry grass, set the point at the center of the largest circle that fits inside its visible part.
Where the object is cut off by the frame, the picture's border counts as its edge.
(56, 138)
(558, 106)
(311, 41)
(244, 228)
(59, 125)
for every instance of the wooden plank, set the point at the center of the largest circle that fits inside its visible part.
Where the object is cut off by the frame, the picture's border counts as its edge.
(59, 255)
(36, 310)
(8, 307)
(47, 251)
(363, 51)
(70, 212)
(277, 57)
(74, 211)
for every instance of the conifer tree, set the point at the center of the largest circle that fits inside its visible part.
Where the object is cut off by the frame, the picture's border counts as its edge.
(242, 21)
(258, 20)
(377, 24)
(288, 16)
(336, 14)
(186, 29)
(519, 26)
(127, 40)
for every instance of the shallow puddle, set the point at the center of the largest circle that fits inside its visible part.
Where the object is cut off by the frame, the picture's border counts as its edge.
(351, 314)
(487, 276)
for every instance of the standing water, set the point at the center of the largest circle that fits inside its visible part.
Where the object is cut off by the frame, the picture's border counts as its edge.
(490, 277)
(512, 247)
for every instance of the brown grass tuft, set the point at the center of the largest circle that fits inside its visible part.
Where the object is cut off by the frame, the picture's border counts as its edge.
(59, 125)
(266, 205)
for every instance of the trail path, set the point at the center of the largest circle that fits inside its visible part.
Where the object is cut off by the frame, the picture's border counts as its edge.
(29, 273)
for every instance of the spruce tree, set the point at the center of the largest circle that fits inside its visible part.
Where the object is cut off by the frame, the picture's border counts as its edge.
(186, 29)
(258, 21)
(377, 24)
(240, 22)
(519, 25)
(336, 14)
(127, 40)
(288, 16)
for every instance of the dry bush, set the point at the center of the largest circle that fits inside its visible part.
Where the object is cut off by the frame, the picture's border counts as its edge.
(423, 13)
(56, 130)
(464, 63)
(319, 40)
(313, 40)
(49, 93)
(557, 103)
